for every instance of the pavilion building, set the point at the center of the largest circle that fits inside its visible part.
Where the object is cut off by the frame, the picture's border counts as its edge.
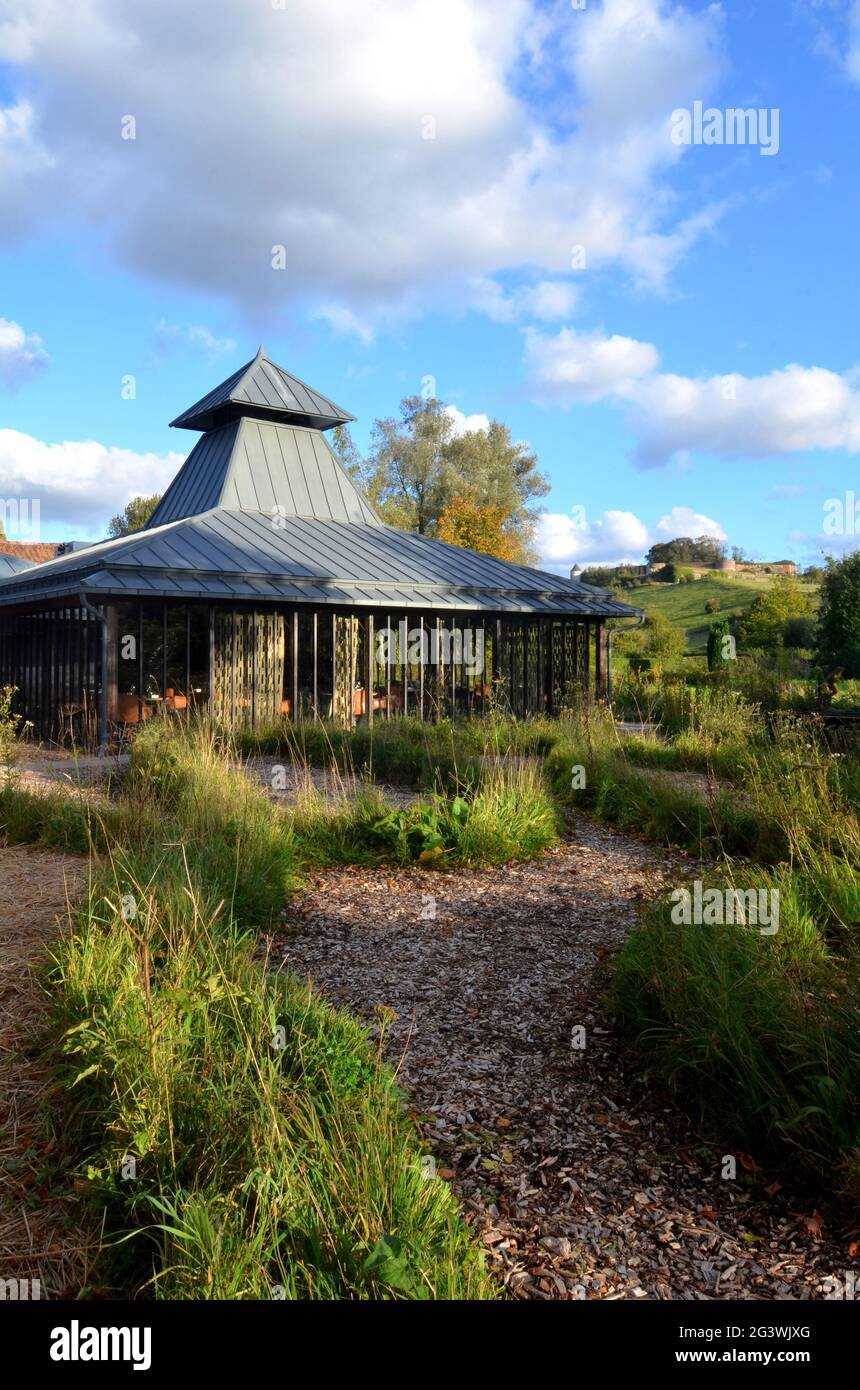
(265, 586)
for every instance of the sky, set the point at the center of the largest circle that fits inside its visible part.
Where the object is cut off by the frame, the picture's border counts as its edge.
(542, 212)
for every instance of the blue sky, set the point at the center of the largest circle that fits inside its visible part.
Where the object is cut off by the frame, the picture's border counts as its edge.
(429, 169)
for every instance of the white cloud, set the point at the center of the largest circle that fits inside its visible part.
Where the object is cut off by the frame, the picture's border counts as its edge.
(786, 411)
(683, 521)
(21, 354)
(195, 335)
(852, 53)
(614, 538)
(573, 367)
(79, 483)
(465, 424)
(302, 126)
(343, 321)
(547, 300)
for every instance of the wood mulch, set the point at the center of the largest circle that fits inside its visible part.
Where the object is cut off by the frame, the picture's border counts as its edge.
(38, 1238)
(582, 1181)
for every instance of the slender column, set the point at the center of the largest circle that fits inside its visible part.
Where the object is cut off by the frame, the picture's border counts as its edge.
(211, 664)
(422, 652)
(369, 668)
(295, 663)
(316, 655)
(600, 666)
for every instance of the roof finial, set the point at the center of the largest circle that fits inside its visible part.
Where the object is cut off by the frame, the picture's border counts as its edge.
(261, 352)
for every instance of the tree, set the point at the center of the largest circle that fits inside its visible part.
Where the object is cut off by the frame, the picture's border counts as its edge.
(135, 515)
(764, 621)
(662, 642)
(800, 633)
(704, 550)
(504, 473)
(486, 529)
(599, 576)
(345, 447)
(839, 615)
(718, 648)
(418, 466)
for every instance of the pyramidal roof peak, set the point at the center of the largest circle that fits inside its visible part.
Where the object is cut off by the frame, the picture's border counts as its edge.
(264, 391)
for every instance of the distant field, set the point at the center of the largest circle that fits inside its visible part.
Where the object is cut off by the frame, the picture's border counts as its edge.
(684, 604)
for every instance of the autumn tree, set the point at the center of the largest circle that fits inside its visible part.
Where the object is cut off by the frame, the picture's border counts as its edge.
(134, 516)
(418, 465)
(486, 529)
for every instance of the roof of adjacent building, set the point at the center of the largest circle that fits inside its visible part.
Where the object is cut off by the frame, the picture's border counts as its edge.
(264, 510)
(31, 552)
(13, 564)
(263, 389)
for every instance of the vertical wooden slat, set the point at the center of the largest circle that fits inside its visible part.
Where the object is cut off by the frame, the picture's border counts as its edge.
(369, 665)
(316, 656)
(295, 663)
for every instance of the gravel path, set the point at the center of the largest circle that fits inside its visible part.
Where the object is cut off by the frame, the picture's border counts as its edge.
(583, 1182)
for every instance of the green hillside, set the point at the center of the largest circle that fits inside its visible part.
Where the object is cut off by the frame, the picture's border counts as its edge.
(684, 604)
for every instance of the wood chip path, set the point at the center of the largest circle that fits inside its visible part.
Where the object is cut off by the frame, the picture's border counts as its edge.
(582, 1181)
(38, 1240)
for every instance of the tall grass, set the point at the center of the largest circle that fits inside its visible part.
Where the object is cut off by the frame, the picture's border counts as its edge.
(239, 1137)
(242, 1139)
(759, 1031)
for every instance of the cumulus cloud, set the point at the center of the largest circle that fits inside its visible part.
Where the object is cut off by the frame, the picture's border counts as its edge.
(386, 148)
(21, 354)
(788, 410)
(547, 300)
(614, 538)
(683, 521)
(78, 484)
(572, 368)
(465, 424)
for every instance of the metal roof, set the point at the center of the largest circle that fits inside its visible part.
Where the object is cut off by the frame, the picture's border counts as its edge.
(14, 564)
(232, 554)
(263, 389)
(262, 509)
(263, 466)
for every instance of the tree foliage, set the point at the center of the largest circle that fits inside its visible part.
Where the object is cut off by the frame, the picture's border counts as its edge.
(704, 550)
(134, 516)
(839, 615)
(418, 466)
(717, 646)
(487, 528)
(763, 624)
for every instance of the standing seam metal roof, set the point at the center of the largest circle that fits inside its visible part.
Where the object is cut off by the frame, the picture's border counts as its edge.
(230, 552)
(261, 385)
(262, 465)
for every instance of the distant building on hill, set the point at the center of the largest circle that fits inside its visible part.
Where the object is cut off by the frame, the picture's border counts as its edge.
(759, 566)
